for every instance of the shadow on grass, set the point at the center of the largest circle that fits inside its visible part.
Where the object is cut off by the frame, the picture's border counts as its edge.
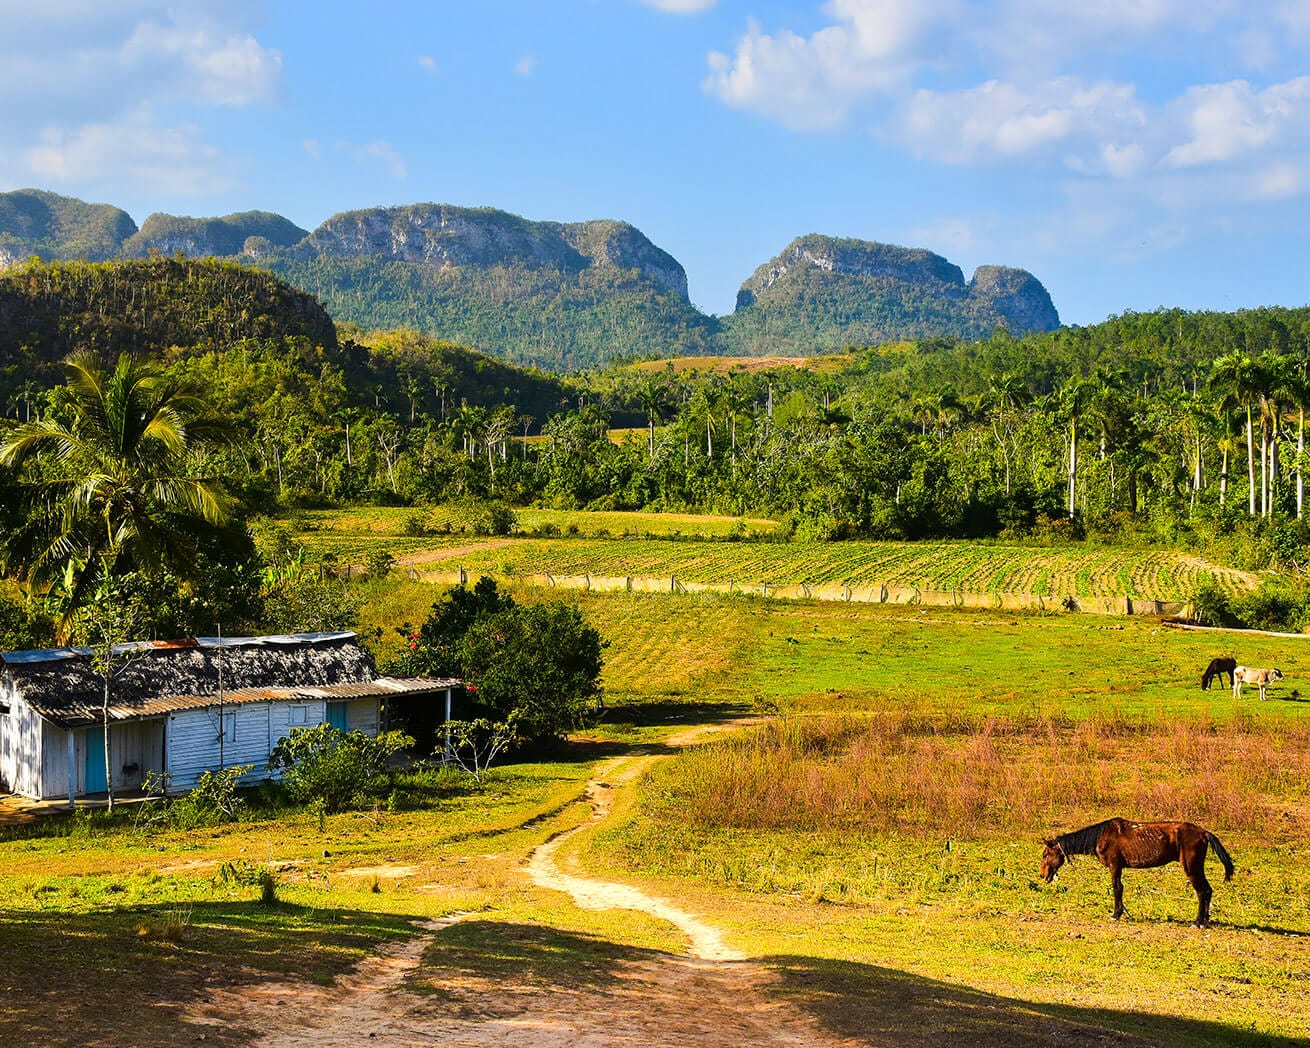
(125, 976)
(671, 713)
(491, 969)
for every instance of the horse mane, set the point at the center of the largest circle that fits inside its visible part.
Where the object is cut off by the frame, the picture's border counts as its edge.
(1084, 841)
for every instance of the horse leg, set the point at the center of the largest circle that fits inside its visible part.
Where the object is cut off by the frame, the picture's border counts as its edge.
(1117, 879)
(1193, 862)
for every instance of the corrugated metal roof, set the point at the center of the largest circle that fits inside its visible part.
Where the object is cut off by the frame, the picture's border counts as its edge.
(22, 658)
(77, 714)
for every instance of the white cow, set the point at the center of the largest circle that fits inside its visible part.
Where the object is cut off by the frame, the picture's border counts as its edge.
(1249, 675)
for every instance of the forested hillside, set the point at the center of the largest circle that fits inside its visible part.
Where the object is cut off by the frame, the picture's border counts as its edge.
(823, 293)
(565, 296)
(34, 222)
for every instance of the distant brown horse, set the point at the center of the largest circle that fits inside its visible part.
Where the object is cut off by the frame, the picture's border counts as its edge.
(1217, 669)
(1139, 845)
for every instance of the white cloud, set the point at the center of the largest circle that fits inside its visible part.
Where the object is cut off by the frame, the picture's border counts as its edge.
(170, 160)
(428, 63)
(1281, 182)
(999, 119)
(1039, 81)
(76, 74)
(313, 148)
(1226, 121)
(382, 153)
(812, 83)
(526, 65)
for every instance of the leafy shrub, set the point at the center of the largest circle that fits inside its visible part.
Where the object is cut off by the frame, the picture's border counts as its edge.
(379, 563)
(245, 874)
(213, 800)
(339, 769)
(24, 626)
(493, 518)
(1279, 605)
(540, 663)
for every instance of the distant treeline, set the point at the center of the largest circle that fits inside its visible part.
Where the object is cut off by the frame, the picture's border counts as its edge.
(1171, 426)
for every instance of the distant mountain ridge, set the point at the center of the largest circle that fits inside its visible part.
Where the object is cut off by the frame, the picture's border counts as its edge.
(561, 295)
(842, 291)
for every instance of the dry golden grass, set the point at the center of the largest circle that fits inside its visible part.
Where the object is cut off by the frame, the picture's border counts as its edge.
(978, 776)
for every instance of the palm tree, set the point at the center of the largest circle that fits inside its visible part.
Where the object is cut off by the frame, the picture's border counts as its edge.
(113, 488)
(1295, 383)
(655, 398)
(1006, 393)
(1073, 400)
(1241, 382)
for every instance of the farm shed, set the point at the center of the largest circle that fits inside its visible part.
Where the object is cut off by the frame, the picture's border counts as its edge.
(180, 708)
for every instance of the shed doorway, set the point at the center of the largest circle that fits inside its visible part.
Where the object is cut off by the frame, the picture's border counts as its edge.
(338, 715)
(94, 776)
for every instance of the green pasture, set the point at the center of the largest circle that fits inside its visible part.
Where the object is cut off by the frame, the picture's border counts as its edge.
(875, 930)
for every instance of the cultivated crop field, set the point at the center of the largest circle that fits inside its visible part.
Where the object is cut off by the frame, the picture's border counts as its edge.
(694, 549)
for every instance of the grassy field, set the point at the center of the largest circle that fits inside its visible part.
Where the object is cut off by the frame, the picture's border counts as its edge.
(876, 840)
(620, 544)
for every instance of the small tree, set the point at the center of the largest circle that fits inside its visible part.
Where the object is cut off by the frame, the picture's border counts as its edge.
(540, 663)
(474, 745)
(105, 625)
(537, 667)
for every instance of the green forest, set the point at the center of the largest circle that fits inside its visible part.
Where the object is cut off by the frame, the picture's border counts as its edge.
(1167, 429)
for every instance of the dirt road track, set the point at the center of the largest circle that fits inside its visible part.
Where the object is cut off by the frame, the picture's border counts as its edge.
(714, 997)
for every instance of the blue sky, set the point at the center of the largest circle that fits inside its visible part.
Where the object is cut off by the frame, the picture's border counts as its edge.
(1130, 153)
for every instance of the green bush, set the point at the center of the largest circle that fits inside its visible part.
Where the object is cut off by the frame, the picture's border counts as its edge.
(493, 518)
(213, 800)
(1280, 605)
(338, 769)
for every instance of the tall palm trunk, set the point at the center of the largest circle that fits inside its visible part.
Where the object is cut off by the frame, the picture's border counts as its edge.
(1073, 464)
(1300, 457)
(1250, 458)
(1264, 465)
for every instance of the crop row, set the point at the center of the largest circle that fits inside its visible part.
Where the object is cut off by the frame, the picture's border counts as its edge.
(1154, 575)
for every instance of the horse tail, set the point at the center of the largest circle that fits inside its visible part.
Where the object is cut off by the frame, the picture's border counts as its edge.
(1217, 847)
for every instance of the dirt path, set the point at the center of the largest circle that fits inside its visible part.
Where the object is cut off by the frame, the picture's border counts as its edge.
(359, 1007)
(713, 998)
(706, 942)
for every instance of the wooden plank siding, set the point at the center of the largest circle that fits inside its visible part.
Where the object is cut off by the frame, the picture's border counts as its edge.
(21, 731)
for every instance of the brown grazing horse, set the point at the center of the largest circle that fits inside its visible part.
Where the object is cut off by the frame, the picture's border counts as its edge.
(1217, 668)
(1139, 845)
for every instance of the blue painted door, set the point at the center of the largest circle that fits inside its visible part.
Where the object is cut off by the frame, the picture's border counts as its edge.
(95, 761)
(337, 716)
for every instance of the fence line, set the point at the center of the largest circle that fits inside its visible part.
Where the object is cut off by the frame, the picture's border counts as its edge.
(851, 593)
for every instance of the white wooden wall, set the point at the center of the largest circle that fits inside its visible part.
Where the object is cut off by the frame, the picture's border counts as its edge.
(34, 753)
(20, 746)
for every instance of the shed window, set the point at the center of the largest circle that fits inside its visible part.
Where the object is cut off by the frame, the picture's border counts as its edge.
(4, 709)
(299, 714)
